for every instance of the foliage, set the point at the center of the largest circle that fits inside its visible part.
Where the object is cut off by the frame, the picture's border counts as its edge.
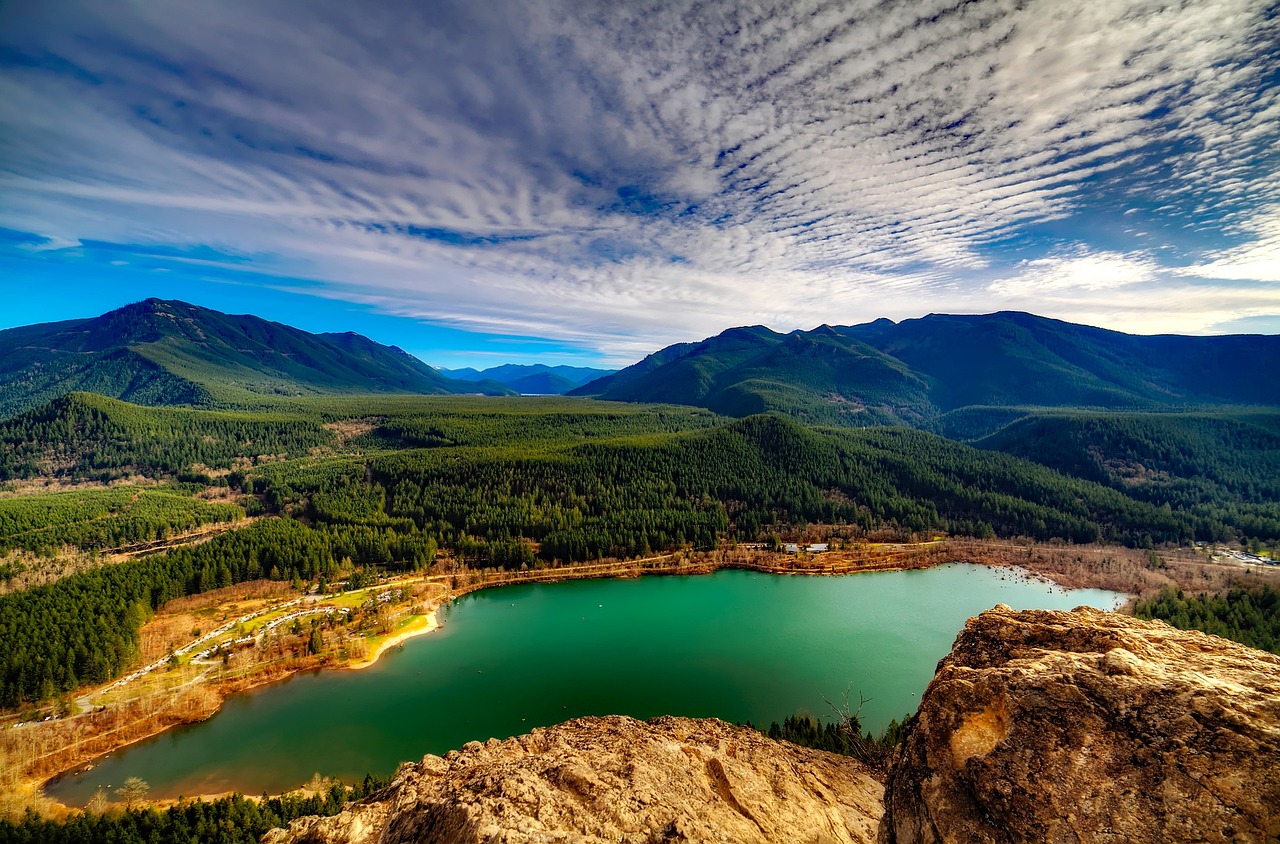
(104, 518)
(819, 376)
(1248, 616)
(84, 628)
(514, 483)
(83, 436)
(968, 424)
(843, 736)
(227, 820)
(523, 423)
(1221, 468)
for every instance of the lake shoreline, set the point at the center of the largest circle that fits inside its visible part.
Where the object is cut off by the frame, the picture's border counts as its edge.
(889, 557)
(902, 557)
(419, 625)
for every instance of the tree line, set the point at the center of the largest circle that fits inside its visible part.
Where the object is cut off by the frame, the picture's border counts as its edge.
(1248, 616)
(565, 502)
(104, 518)
(1221, 468)
(84, 628)
(86, 436)
(227, 820)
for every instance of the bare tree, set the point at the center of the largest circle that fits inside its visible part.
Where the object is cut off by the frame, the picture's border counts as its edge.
(98, 802)
(133, 791)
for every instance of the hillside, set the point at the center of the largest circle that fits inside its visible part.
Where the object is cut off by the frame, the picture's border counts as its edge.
(87, 436)
(819, 376)
(915, 370)
(160, 352)
(535, 379)
(1012, 358)
(1223, 464)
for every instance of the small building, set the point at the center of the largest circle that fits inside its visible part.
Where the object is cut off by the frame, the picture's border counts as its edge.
(791, 548)
(817, 548)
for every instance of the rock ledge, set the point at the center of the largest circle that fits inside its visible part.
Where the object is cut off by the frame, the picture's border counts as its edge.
(1090, 726)
(615, 779)
(1078, 726)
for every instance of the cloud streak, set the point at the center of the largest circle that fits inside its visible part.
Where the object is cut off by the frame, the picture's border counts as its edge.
(619, 176)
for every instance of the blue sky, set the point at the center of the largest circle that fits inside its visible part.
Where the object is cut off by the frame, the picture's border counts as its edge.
(583, 182)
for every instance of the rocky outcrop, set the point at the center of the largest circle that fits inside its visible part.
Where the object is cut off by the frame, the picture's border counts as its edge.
(1038, 727)
(1089, 726)
(615, 779)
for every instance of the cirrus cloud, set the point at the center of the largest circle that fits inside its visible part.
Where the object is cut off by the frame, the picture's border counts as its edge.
(619, 176)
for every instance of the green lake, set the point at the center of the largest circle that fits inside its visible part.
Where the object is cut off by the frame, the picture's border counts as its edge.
(734, 645)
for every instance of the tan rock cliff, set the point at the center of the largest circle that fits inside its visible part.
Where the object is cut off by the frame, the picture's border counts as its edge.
(615, 779)
(1038, 727)
(1088, 726)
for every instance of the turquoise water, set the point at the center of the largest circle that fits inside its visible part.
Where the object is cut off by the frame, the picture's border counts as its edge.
(734, 645)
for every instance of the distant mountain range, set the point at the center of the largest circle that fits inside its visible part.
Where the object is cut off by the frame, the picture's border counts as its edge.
(535, 379)
(962, 376)
(160, 352)
(916, 370)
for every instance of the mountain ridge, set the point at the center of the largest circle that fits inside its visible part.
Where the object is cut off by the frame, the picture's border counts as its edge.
(168, 352)
(915, 370)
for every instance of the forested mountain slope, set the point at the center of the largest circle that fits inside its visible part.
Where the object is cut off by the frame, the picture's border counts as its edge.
(1012, 358)
(506, 483)
(819, 376)
(172, 353)
(915, 370)
(1224, 463)
(86, 436)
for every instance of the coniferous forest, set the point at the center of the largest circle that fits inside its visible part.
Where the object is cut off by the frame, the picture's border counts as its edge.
(110, 510)
(507, 484)
(671, 362)
(1250, 616)
(227, 820)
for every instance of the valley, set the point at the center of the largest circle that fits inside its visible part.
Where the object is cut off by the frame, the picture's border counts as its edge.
(162, 564)
(516, 657)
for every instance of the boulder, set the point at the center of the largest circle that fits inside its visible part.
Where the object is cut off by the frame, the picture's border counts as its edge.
(615, 779)
(1089, 726)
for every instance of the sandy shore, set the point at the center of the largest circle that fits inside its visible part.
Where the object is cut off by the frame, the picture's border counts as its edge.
(417, 626)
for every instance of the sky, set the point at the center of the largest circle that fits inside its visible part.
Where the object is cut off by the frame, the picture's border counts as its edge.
(586, 182)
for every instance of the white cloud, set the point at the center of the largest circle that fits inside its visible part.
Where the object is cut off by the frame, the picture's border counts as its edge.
(1079, 271)
(1257, 259)
(620, 176)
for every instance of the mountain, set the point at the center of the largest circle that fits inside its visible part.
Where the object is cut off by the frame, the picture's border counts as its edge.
(160, 352)
(820, 375)
(916, 370)
(1012, 358)
(1223, 463)
(534, 379)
